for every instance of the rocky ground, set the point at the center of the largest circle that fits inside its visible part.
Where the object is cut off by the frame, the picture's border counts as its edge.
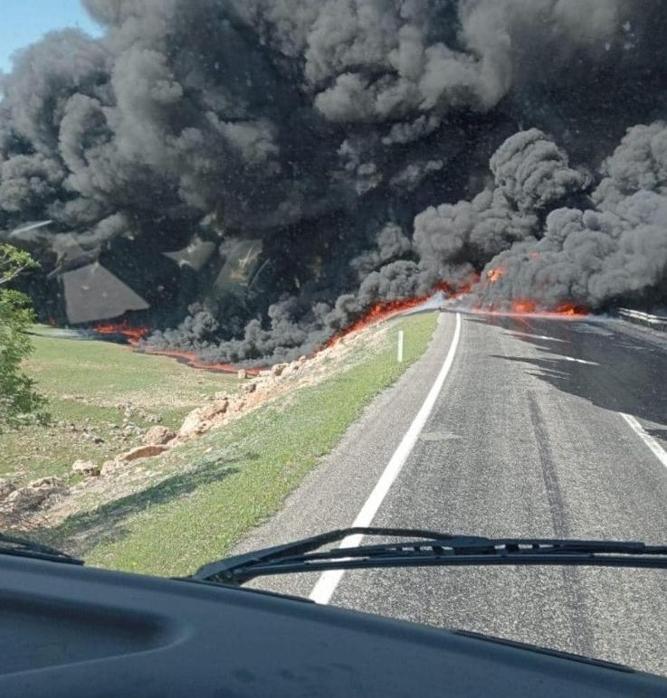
(47, 501)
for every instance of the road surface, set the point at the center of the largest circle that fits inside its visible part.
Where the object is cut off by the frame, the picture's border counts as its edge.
(542, 428)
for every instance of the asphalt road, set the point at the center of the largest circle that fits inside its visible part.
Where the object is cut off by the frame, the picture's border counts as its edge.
(526, 438)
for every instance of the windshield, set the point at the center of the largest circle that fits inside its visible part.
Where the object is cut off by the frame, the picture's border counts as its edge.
(270, 268)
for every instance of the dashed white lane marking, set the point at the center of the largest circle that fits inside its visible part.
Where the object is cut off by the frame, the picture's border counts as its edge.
(537, 336)
(579, 361)
(328, 581)
(655, 447)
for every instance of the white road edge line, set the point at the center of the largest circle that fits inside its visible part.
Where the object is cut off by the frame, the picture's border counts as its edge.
(655, 447)
(328, 581)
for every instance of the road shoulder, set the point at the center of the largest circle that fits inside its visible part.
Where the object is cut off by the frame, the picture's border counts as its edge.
(332, 494)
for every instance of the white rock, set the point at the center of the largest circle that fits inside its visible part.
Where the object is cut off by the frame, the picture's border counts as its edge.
(158, 435)
(203, 418)
(86, 467)
(25, 499)
(147, 451)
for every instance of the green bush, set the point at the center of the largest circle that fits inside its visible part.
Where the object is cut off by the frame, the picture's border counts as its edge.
(19, 401)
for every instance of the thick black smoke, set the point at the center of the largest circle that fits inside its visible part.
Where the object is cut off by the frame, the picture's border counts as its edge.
(257, 173)
(614, 250)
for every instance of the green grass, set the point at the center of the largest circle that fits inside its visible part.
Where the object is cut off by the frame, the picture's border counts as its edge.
(232, 479)
(89, 385)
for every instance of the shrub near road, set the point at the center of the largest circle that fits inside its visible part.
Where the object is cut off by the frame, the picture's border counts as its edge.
(19, 402)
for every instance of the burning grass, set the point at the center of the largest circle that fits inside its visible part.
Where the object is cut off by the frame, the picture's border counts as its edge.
(384, 310)
(125, 332)
(526, 307)
(190, 358)
(132, 334)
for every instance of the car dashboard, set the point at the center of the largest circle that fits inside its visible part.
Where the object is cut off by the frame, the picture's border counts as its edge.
(68, 631)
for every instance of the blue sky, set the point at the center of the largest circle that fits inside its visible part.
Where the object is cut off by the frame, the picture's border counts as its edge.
(24, 21)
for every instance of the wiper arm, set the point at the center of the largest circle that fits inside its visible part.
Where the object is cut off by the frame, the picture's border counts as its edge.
(428, 549)
(10, 545)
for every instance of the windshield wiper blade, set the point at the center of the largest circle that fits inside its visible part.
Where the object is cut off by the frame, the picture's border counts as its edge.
(11, 545)
(427, 549)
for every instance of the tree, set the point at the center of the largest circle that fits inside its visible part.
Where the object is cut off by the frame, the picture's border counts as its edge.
(19, 401)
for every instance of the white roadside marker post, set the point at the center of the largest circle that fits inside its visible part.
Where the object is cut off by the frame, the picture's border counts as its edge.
(399, 355)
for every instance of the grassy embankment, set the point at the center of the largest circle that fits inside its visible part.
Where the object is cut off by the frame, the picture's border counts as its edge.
(101, 397)
(221, 485)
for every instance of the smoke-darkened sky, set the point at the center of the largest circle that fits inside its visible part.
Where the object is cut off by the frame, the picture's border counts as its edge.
(254, 174)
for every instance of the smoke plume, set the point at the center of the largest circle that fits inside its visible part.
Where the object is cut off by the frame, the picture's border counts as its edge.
(251, 176)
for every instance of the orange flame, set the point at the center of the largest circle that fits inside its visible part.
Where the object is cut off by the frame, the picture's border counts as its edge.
(386, 309)
(462, 288)
(376, 313)
(496, 274)
(523, 306)
(189, 358)
(571, 309)
(527, 306)
(133, 334)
